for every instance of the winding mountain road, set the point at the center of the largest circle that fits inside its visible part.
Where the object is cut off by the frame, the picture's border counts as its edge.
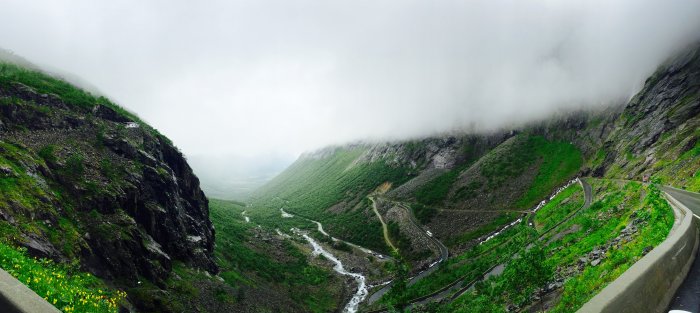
(458, 287)
(498, 269)
(442, 249)
(687, 297)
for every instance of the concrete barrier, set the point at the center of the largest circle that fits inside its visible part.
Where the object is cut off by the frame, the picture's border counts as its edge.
(649, 284)
(15, 297)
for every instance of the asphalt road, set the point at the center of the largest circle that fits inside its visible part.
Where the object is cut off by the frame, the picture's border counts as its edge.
(444, 254)
(687, 297)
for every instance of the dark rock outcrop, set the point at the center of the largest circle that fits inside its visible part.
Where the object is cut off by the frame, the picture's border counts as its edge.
(127, 191)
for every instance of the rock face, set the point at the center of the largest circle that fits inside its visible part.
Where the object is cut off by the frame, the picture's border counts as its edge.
(659, 123)
(121, 200)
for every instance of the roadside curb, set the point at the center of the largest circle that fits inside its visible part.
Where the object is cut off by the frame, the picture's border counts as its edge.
(15, 297)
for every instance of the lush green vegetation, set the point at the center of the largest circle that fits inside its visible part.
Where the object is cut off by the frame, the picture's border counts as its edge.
(11, 74)
(243, 265)
(598, 226)
(553, 162)
(631, 211)
(311, 186)
(606, 219)
(521, 277)
(423, 213)
(560, 161)
(467, 267)
(435, 192)
(566, 202)
(682, 171)
(64, 286)
(519, 154)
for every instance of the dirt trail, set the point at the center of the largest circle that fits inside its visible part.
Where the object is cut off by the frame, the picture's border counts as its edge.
(385, 228)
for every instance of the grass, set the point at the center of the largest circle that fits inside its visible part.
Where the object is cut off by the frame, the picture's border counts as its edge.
(43, 83)
(423, 213)
(311, 186)
(616, 208)
(568, 201)
(606, 219)
(435, 192)
(497, 168)
(560, 161)
(65, 287)
(244, 265)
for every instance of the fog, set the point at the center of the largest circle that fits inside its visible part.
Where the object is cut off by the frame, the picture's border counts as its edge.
(269, 79)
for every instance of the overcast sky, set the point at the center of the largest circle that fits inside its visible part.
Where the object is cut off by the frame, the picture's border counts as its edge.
(278, 77)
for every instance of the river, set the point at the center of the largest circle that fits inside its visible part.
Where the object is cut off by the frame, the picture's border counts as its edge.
(361, 293)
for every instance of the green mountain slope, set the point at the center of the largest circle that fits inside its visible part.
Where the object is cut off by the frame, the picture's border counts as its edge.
(495, 177)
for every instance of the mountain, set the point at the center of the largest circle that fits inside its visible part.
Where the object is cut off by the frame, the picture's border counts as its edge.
(655, 133)
(100, 212)
(462, 188)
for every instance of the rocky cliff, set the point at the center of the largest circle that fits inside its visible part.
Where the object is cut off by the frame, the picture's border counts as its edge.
(84, 180)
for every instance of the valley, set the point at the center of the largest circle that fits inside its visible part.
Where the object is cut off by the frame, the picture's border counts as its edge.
(101, 212)
(464, 215)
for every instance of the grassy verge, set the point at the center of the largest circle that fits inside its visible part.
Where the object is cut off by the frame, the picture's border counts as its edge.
(639, 210)
(66, 287)
(606, 219)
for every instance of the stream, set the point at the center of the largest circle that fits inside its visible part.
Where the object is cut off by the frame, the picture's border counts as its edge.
(362, 291)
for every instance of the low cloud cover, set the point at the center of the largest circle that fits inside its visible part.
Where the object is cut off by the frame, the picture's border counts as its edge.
(278, 77)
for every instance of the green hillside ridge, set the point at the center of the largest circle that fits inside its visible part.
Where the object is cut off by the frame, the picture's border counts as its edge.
(333, 188)
(312, 185)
